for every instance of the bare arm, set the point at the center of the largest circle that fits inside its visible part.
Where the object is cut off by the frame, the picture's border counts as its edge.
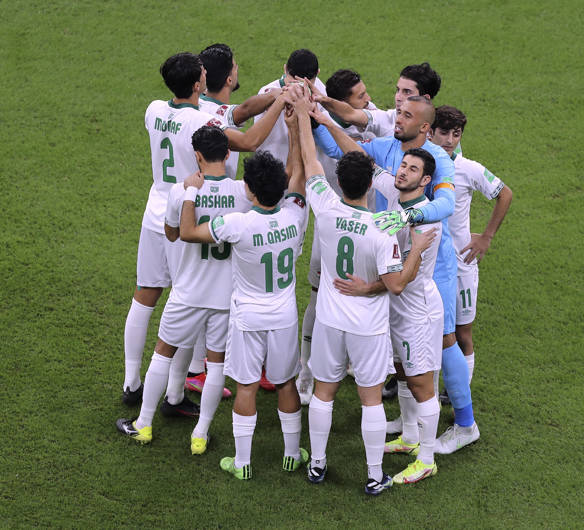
(480, 243)
(307, 146)
(189, 230)
(254, 105)
(294, 166)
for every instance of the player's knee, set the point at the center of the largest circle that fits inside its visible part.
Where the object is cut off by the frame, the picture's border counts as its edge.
(147, 296)
(464, 338)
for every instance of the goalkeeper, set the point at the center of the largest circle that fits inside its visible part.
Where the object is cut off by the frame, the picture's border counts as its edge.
(413, 121)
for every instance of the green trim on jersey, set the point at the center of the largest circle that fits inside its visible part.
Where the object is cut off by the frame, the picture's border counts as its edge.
(264, 211)
(356, 207)
(208, 98)
(453, 156)
(294, 194)
(410, 203)
(281, 81)
(182, 105)
(342, 123)
(211, 177)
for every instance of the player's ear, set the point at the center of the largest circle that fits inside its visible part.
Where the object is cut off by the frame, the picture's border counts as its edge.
(430, 134)
(227, 155)
(426, 179)
(199, 158)
(425, 127)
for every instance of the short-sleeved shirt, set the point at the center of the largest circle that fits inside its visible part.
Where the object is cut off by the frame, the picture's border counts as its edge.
(204, 277)
(224, 113)
(265, 246)
(381, 122)
(171, 128)
(350, 243)
(468, 177)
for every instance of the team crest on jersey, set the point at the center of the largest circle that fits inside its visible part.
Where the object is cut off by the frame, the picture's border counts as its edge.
(222, 110)
(395, 251)
(214, 123)
(489, 176)
(273, 224)
(356, 215)
(217, 222)
(214, 189)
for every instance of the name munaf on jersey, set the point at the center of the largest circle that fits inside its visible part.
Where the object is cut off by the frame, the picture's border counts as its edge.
(350, 244)
(204, 273)
(170, 127)
(265, 245)
(468, 177)
(224, 113)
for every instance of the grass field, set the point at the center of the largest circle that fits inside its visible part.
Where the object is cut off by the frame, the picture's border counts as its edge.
(75, 169)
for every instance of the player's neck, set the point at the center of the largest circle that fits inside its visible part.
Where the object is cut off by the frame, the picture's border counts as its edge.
(193, 100)
(409, 196)
(418, 141)
(258, 204)
(357, 203)
(223, 96)
(213, 169)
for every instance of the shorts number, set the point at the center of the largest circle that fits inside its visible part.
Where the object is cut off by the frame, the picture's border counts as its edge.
(345, 253)
(466, 300)
(285, 264)
(168, 162)
(219, 252)
(406, 345)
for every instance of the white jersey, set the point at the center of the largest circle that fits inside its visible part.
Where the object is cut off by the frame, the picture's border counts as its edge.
(468, 177)
(381, 122)
(350, 243)
(265, 246)
(224, 113)
(171, 128)
(203, 277)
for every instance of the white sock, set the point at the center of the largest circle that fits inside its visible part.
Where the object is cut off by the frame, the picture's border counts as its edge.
(428, 415)
(243, 427)
(210, 398)
(175, 390)
(320, 418)
(373, 431)
(199, 353)
(409, 413)
(134, 340)
(154, 384)
(307, 327)
(291, 428)
(470, 362)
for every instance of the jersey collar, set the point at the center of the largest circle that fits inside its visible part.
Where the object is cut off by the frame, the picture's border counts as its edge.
(208, 98)
(182, 105)
(356, 207)
(264, 211)
(281, 81)
(412, 202)
(211, 177)
(453, 156)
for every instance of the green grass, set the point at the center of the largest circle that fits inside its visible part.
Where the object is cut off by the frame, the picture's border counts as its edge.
(75, 170)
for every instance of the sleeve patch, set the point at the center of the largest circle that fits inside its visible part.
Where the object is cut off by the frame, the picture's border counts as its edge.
(217, 222)
(297, 199)
(446, 185)
(395, 251)
(488, 175)
(222, 110)
(215, 123)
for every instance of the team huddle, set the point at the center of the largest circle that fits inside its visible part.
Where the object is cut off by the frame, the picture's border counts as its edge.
(393, 292)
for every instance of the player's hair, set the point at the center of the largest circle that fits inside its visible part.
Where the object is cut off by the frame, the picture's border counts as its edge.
(265, 177)
(448, 118)
(218, 61)
(355, 171)
(427, 80)
(211, 142)
(427, 158)
(302, 63)
(180, 72)
(429, 111)
(339, 85)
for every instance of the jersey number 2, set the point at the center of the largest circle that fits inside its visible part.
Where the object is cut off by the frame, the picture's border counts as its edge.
(168, 162)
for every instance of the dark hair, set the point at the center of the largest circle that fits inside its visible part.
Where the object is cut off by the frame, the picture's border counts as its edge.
(427, 158)
(265, 177)
(211, 142)
(355, 171)
(302, 63)
(218, 61)
(340, 84)
(448, 118)
(180, 72)
(426, 79)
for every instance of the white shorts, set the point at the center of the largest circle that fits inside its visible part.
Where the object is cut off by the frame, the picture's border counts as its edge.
(276, 350)
(414, 347)
(157, 259)
(314, 267)
(181, 325)
(466, 297)
(332, 348)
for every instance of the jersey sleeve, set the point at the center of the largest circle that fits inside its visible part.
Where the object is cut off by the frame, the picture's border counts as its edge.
(319, 193)
(387, 254)
(297, 203)
(384, 183)
(380, 122)
(326, 142)
(228, 227)
(485, 182)
(174, 205)
(444, 198)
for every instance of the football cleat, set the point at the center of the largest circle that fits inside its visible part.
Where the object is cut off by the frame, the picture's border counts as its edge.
(394, 426)
(289, 463)
(389, 390)
(375, 488)
(415, 472)
(455, 438)
(128, 427)
(186, 408)
(316, 474)
(199, 445)
(401, 447)
(196, 384)
(305, 387)
(265, 384)
(132, 397)
(228, 464)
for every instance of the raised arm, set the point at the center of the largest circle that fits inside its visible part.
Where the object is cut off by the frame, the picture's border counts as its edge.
(189, 230)
(307, 147)
(294, 165)
(336, 142)
(254, 105)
